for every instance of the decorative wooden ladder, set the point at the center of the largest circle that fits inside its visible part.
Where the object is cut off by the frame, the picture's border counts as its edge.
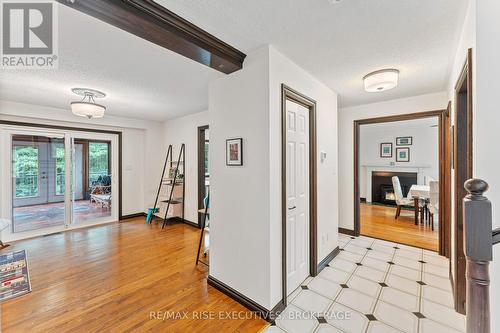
(166, 189)
(478, 248)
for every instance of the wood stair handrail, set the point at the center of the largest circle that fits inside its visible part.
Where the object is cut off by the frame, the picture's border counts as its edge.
(478, 247)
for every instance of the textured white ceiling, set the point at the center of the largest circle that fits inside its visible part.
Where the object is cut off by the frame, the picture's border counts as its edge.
(141, 79)
(340, 43)
(337, 43)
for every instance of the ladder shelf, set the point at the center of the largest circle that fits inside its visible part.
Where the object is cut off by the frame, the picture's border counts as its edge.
(169, 202)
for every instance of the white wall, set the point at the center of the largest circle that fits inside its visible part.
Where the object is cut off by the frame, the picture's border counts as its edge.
(141, 146)
(486, 120)
(185, 130)
(246, 201)
(429, 102)
(239, 107)
(424, 152)
(283, 70)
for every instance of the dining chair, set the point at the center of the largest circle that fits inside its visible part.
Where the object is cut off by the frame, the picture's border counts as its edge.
(428, 180)
(400, 199)
(433, 200)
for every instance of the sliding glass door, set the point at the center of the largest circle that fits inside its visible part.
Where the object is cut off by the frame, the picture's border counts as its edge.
(93, 178)
(57, 180)
(37, 171)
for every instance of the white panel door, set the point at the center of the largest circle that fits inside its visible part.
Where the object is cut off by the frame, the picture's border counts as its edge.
(297, 194)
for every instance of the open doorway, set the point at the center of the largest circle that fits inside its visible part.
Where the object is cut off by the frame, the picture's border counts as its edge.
(203, 170)
(400, 179)
(203, 254)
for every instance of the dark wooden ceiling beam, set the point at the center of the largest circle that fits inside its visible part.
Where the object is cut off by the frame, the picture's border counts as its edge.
(155, 23)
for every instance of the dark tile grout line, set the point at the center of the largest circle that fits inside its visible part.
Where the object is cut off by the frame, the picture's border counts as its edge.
(382, 288)
(385, 278)
(421, 290)
(333, 301)
(349, 278)
(406, 267)
(420, 296)
(377, 299)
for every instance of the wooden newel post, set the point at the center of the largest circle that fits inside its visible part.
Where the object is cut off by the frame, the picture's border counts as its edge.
(478, 248)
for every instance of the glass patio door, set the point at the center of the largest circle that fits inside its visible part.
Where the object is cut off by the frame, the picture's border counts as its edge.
(38, 180)
(54, 180)
(94, 178)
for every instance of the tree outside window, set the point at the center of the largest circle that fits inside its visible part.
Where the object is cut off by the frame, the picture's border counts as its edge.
(25, 170)
(60, 167)
(98, 160)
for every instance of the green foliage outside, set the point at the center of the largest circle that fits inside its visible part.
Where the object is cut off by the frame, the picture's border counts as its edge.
(60, 166)
(98, 160)
(26, 167)
(25, 171)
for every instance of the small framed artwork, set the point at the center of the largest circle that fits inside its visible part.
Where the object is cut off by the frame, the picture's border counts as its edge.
(386, 150)
(404, 141)
(402, 154)
(234, 152)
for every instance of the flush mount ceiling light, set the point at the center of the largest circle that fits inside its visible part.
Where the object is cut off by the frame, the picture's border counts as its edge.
(87, 107)
(382, 80)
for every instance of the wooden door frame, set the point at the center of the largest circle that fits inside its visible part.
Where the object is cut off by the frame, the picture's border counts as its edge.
(445, 246)
(201, 168)
(462, 164)
(288, 93)
(444, 196)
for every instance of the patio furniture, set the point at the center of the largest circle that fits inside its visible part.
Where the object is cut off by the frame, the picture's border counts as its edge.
(100, 192)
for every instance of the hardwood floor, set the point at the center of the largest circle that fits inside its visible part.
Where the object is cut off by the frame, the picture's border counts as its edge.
(111, 278)
(378, 222)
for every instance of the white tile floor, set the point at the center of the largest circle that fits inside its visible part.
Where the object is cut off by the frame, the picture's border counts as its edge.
(374, 286)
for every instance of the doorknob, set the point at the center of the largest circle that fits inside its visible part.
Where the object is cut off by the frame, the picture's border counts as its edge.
(292, 207)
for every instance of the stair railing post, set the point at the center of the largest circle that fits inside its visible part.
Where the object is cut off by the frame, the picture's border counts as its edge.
(478, 248)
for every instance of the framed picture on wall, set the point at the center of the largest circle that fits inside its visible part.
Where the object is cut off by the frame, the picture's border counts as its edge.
(404, 141)
(234, 152)
(402, 154)
(386, 150)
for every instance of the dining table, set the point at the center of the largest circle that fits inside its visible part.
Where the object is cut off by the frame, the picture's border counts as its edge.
(419, 192)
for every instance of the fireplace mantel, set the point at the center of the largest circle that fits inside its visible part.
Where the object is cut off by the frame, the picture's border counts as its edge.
(397, 166)
(368, 169)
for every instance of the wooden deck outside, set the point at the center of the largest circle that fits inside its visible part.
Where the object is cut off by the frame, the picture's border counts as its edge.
(47, 215)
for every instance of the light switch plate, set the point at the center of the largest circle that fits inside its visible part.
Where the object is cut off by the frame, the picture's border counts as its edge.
(323, 156)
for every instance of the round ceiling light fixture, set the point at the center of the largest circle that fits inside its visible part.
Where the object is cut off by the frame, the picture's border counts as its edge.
(87, 107)
(381, 80)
